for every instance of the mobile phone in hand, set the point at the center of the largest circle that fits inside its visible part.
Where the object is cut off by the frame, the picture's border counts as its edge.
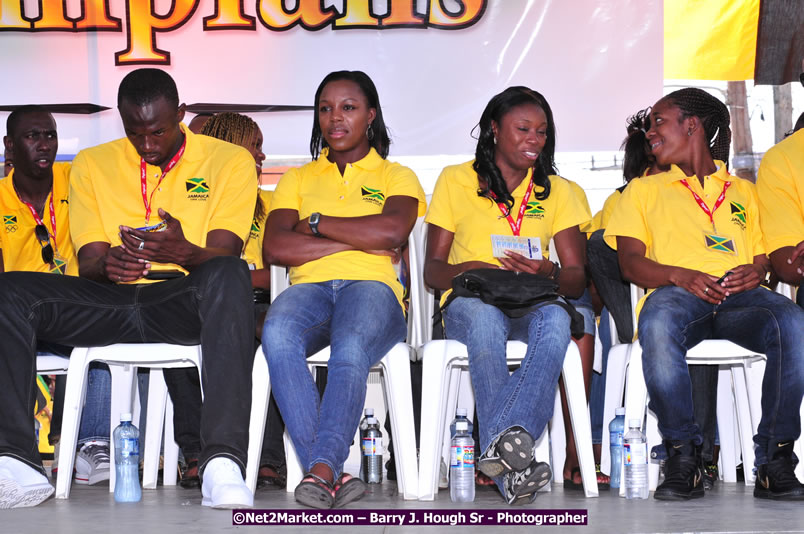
(723, 278)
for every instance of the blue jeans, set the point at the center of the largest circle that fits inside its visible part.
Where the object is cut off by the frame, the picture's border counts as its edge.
(525, 398)
(98, 404)
(673, 320)
(361, 321)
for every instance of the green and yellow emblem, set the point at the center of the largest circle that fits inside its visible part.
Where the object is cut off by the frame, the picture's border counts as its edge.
(374, 194)
(10, 223)
(59, 266)
(534, 208)
(738, 210)
(197, 185)
(719, 243)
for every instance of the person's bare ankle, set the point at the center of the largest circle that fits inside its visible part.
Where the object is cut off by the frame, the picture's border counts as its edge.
(322, 471)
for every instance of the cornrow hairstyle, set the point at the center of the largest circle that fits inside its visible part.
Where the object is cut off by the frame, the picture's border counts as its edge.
(484, 164)
(14, 118)
(236, 129)
(637, 151)
(714, 116)
(377, 131)
(143, 86)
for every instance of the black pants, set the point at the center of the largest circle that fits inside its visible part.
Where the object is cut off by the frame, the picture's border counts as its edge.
(211, 306)
(613, 290)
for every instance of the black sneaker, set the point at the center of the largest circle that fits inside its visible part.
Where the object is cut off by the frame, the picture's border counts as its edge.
(683, 473)
(710, 476)
(776, 479)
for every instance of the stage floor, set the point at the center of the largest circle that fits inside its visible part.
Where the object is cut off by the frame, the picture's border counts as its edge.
(728, 508)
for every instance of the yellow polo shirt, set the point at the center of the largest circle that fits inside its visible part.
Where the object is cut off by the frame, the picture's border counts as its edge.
(252, 253)
(210, 188)
(20, 248)
(589, 226)
(608, 208)
(780, 187)
(662, 213)
(457, 208)
(319, 187)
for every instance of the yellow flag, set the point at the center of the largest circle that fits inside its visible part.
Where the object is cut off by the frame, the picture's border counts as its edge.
(710, 39)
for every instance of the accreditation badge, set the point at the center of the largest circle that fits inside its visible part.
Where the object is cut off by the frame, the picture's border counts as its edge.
(530, 247)
(59, 265)
(720, 243)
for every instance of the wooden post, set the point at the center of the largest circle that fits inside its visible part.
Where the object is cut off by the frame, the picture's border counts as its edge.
(782, 111)
(742, 143)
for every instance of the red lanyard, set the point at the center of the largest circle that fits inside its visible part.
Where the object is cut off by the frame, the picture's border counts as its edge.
(38, 219)
(702, 204)
(143, 179)
(515, 226)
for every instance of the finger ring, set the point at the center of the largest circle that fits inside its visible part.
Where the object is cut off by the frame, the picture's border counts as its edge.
(141, 245)
(119, 278)
(706, 290)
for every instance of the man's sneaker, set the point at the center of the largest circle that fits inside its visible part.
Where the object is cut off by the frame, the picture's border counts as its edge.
(511, 451)
(223, 486)
(521, 486)
(710, 476)
(776, 479)
(683, 473)
(21, 485)
(92, 463)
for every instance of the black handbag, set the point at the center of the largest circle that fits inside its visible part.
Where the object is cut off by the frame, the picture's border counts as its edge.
(514, 293)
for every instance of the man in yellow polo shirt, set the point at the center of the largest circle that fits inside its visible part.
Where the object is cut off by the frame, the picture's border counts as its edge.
(780, 187)
(203, 190)
(36, 237)
(693, 233)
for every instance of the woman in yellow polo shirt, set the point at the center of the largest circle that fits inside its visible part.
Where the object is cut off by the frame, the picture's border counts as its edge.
(693, 234)
(510, 187)
(337, 222)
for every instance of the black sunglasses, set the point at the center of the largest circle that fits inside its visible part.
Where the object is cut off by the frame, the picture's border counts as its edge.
(44, 239)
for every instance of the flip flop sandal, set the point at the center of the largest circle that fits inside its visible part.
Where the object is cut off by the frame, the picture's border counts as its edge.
(512, 452)
(276, 479)
(189, 477)
(315, 493)
(601, 479)
(570, 484)
(348, 491)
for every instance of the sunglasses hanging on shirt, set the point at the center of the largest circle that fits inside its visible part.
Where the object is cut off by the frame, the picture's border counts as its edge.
(44, 240)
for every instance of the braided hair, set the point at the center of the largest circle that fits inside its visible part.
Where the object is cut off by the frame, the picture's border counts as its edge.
(637, 152)
(484, 164)
(714, 116)
(236, 129)
(377, 132)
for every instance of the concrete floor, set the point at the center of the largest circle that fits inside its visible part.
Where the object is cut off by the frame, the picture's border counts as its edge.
(728, 508)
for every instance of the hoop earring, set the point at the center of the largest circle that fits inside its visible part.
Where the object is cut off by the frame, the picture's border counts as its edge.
(495, 139)
(369, 132)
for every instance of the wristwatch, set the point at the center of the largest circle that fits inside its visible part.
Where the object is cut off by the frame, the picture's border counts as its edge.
(315, 218)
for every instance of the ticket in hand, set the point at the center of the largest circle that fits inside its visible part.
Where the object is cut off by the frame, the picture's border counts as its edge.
(530, 247)
(158, 227)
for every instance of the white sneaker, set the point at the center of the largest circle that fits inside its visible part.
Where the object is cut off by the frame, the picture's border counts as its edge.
(92, 463)
(21, 485)
(443, 480)
(223, 485)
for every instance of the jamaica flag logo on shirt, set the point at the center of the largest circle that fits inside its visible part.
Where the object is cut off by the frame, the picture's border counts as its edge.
(374, 196)
(720, 244)
(10, 223)
(197, 188)
(534, 210)
(255, 229)
(738, 212)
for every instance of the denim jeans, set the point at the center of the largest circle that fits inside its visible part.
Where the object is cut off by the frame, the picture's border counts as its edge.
(361, 321)
(673, 320)
(525, 398)
(97, 406)
(211, 306)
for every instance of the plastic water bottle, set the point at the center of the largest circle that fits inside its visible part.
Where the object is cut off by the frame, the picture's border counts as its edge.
(616, 431)
(371, 444)
(635, 451)
(460, 415)
(462, 464)
(127, 461)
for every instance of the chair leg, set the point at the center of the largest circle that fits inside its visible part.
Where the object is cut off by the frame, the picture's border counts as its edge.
(399, 399)
(615, 385)
(170, 470)
(122, 387)
(157, 398)
(541, 453)
(73, 406)
(260, 395)
(636, 392)
(579, 415)
(434, 374)
(745, 422)
(725, 425)
(295, 472)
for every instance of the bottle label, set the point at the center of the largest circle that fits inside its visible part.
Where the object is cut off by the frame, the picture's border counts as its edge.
(372, 447)
(616, 438)
(462, 456)
(635, 453)
(129, 447)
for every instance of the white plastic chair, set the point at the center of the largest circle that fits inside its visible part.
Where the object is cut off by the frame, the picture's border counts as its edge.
(123, 359)
(395, 369)
(444, 362)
